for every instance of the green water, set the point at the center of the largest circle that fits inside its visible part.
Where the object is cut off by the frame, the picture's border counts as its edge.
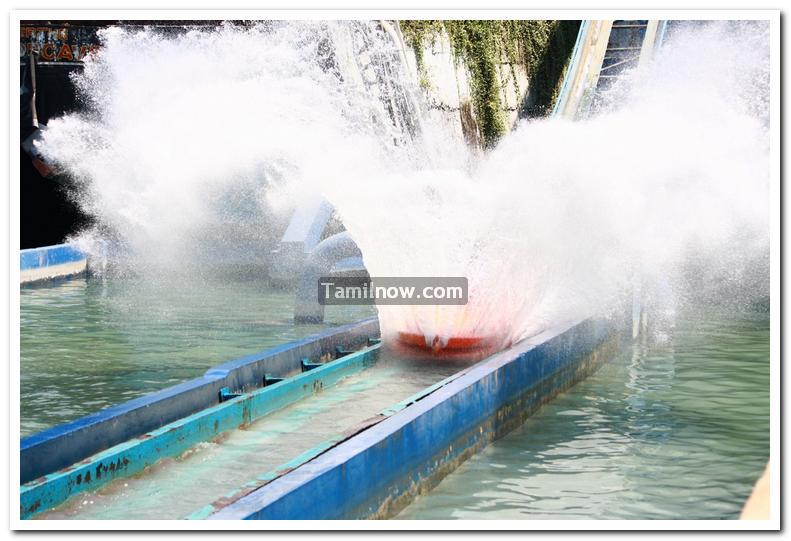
(88, 344)
(675, 429)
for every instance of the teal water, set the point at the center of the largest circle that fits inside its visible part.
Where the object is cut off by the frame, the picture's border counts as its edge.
(88, 344)
(675, 429)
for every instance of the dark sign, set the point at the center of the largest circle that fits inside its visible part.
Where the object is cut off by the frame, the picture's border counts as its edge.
(57, 43)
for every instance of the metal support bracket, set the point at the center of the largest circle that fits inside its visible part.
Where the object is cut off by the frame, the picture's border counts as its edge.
(308, 365)
(226, 394)
(341, 351)
(269, 379)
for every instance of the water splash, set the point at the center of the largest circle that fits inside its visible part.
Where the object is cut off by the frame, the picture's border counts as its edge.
(187, 134)
(197, 141)
(560, 218)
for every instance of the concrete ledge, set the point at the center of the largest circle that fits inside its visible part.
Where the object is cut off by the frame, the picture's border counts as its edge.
(411, 451)
(61, 446)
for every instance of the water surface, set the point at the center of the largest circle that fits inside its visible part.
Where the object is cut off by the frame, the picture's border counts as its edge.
(88, 344)
(675, 429)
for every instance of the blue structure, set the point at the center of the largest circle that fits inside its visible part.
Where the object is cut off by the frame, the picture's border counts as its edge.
(576, 53)
(51, 262)
(61, 446)
(234, 410)
(378, 472)
(410, 445)
(303, 234)
(337, 255)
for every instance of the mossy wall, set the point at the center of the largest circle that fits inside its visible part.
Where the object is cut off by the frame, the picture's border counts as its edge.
(542, 47)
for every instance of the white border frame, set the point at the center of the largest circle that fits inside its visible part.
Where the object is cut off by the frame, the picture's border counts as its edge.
(772, 15)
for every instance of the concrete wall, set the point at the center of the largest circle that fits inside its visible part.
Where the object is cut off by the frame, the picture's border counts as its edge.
(446, 87)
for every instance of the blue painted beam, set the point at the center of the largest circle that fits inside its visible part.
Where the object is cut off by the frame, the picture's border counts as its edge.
(576, 53)
(61, 446)
(47, 256)
(51, 262)
(173, 439)
(379, 471)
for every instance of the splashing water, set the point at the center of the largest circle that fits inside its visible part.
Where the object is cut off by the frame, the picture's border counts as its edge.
(207, 138)
(204, 137)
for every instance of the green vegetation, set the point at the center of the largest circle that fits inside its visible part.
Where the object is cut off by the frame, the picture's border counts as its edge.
(543, 47)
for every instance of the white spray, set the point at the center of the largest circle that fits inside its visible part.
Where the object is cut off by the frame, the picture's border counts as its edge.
(552, 224)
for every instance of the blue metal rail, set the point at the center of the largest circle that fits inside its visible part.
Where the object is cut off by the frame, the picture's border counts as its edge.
(173, 439)
(47, 256)
(410, 445)
(576, 53)
(51, 262)
(379, 471)
(53, 449)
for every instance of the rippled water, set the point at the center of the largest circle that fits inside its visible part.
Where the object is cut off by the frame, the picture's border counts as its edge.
(677, 429)
(89, 344)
